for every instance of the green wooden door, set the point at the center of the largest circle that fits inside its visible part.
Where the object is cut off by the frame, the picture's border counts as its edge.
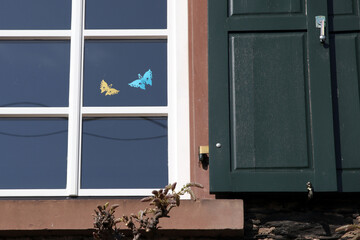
(344, 26)
(270, 104)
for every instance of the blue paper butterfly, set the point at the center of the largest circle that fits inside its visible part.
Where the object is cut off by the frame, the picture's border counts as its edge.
(142, 81)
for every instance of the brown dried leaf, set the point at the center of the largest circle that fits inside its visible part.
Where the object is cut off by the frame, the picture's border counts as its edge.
(147, 199)
(192, 195)
(193, 184)
(113, 207)
(170, 207)
(177, 199)
(118, 220)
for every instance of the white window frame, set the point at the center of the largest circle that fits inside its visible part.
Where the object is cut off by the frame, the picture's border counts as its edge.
(177, 110)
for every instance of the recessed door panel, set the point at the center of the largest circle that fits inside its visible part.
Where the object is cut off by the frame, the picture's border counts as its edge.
(247, 7)
(268, 100)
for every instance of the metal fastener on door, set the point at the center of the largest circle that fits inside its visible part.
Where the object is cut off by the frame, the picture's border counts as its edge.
(320, 22)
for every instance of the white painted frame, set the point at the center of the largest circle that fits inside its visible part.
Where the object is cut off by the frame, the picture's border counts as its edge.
(177, 110)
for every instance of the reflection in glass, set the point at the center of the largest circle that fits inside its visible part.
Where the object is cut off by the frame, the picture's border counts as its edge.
(124, 153)
(35, 14)
(34, 73)
(126, 14)
(125, 73)
(33, 153)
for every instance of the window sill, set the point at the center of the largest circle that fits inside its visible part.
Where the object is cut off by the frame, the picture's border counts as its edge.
(205, 216)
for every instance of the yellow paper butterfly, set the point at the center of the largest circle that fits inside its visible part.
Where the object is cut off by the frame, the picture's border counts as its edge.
(104, 87)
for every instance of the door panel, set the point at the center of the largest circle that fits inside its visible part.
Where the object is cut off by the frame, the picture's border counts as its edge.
(343, 7)
(246, 7)
(269, 101)
(347, 76)
(343, 15)
(269, 15)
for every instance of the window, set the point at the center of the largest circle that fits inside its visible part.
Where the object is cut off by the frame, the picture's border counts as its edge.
(95, 97)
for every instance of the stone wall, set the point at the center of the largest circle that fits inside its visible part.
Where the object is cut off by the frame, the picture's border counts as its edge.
(286, 216)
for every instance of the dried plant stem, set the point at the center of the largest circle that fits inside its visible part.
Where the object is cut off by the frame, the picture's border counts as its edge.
(161, 204)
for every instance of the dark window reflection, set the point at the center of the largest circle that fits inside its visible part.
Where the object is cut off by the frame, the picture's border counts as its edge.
(34, 73)
(134, 73)
(35, 14)
(126, 14)
(124, 153)
(33, 153)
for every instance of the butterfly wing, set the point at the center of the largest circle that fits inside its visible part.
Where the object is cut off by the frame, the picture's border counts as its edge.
(138, 84)
(111, 91)
(148, 77)
(104, 86)
(142, 81)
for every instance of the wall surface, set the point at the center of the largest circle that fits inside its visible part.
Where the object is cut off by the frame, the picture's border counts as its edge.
(202, 215)
(198, 69)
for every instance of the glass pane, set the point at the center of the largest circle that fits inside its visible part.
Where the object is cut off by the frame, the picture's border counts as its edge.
(35, 14)
(124, 153)
(34, 73)
(126, 14)
(33, 153)
(129, 73)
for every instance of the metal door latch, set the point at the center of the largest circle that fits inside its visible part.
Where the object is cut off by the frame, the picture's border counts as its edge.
(310, 189)
(320, 22)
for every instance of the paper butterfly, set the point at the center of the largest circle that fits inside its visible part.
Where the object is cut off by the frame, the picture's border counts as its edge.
(104, 87)
(142, 81)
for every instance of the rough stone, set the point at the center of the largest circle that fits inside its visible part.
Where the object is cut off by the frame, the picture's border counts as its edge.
(296, 219)
(265, 231)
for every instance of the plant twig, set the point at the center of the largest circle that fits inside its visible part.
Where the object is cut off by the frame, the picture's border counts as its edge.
(162, 201)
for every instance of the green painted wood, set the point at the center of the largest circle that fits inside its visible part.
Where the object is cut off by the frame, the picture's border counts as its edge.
(349, 180)
(269, 114)
(245, 7)
(271, 181)
(345, 53)
(272, 112)
(258, 23)
(347, 75)
(321, 102)
(218, 90)
(342, 7)
(343, 15)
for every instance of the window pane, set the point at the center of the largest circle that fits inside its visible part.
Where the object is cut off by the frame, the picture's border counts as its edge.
(34, 73)
(126, 14)
(124, 153)
(33, 153)
(134, 73)
(35, 14)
